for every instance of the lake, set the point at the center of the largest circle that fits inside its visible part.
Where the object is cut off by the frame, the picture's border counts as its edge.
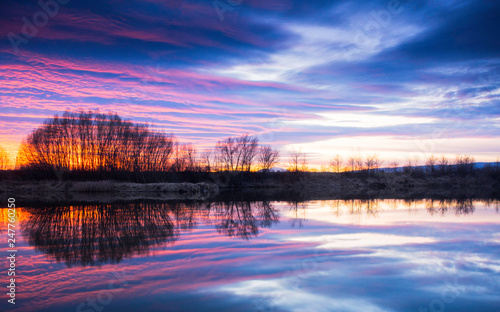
(329, 255)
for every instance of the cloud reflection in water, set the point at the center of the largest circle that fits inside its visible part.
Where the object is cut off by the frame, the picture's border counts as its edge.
(382, 255)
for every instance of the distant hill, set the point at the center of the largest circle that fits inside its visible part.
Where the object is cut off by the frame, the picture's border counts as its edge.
(477, 165)
(275, 169)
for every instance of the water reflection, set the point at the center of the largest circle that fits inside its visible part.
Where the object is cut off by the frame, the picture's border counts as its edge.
(90, 235)
(371, 207)
(242, 219)
(95, 234)
(463, 206)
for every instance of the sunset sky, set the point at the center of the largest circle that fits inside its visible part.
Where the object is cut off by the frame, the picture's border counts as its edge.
(398, 78)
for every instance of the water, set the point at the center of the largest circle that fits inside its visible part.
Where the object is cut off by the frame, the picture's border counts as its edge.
(353, 255)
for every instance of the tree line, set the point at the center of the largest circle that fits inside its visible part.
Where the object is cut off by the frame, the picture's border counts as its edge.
(461, 164)
(91, 141)
(94, 142)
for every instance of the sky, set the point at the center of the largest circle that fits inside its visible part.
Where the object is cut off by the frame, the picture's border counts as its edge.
(403, 79)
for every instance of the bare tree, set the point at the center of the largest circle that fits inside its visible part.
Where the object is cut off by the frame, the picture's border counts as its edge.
(369, 162)
(336, 163)
(268, 157)
(207, 161)
(352, 163)
(92, 141)
(464, 164)
(227, 152)
(237, 153)
(372, 163)
(359, 162)
(377, 162)
(191, 159)
(410, 165)
(443, 164)
(431, 163)
(184, 158)
(4, 159)
(249, 148)
(297, 161)
(394, 165)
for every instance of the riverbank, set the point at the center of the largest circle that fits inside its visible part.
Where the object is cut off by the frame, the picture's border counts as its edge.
(325, 185)
(389, 185)
(274, 186)
(104, 191)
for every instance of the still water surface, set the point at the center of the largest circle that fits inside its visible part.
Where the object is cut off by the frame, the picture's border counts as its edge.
(339, 255)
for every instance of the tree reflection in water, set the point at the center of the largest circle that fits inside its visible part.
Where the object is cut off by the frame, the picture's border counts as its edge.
(92, 235)
(95, 234)
(242, 218)
(298, 209)
(372, 207)
(462, 206)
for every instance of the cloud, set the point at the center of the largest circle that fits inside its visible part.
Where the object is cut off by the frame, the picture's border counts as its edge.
(288, 71)
(466, 32)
